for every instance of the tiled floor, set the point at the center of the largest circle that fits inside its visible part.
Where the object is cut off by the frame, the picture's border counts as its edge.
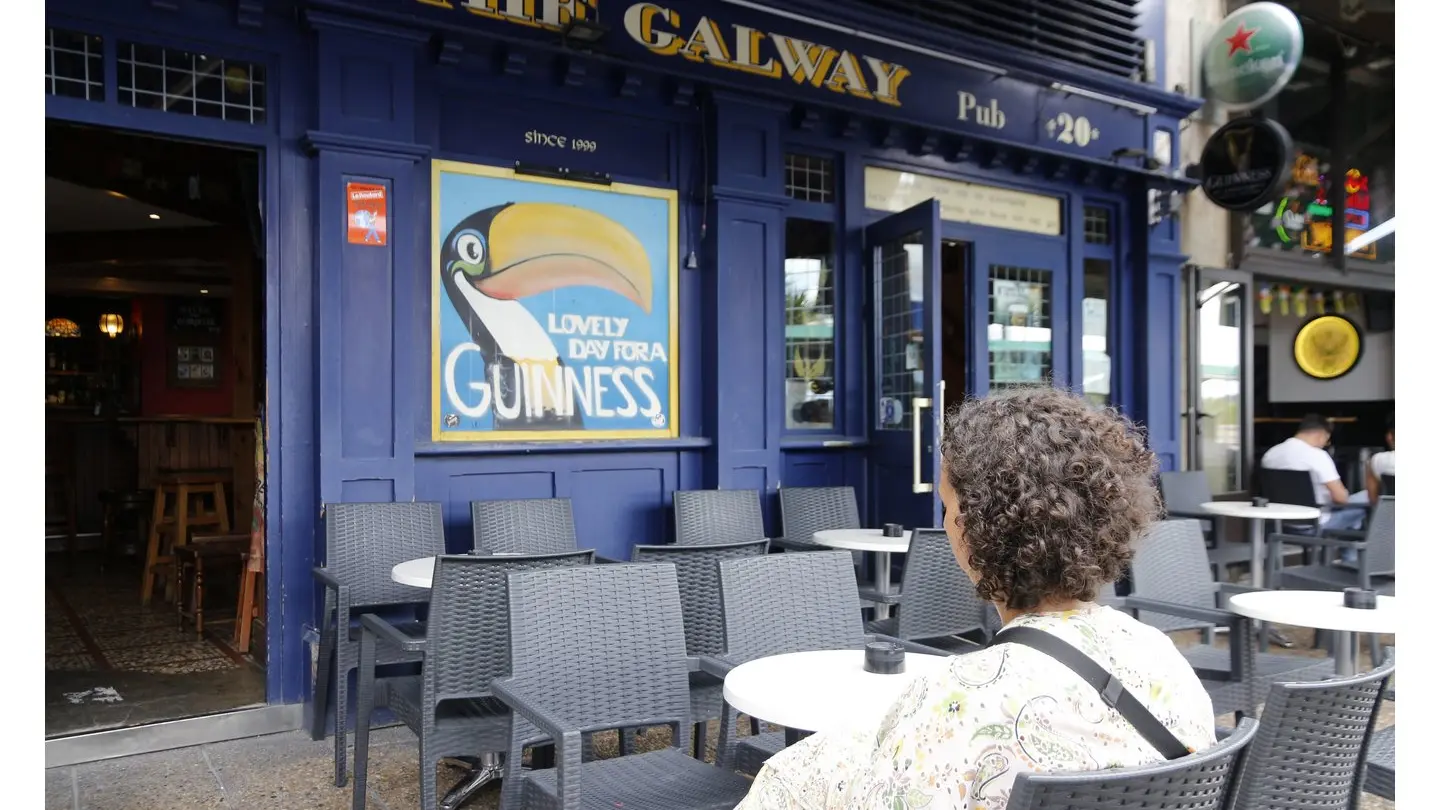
(290, 772)
(110, 662)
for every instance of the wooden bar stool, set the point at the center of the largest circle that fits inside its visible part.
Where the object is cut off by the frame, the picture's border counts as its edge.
(179, 508)
(191, 558)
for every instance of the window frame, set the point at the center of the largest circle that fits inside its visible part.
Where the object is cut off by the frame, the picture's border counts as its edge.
(1107, 252)
(831, 213)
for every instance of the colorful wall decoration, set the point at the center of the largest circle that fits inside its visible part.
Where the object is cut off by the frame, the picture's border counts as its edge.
(554, 308)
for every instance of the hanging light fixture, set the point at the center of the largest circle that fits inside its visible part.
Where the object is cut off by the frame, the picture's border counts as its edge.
(112, 324)
(62, 328)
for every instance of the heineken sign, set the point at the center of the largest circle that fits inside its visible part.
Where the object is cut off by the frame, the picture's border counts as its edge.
(1244, 162)
(1252, 55)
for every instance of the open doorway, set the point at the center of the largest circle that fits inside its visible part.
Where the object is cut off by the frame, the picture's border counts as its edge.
(154, 392)
(954, 335)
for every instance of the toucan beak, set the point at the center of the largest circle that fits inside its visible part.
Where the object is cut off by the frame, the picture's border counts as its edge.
(538, 247)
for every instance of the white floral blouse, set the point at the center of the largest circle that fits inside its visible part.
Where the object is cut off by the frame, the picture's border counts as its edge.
(955, 740)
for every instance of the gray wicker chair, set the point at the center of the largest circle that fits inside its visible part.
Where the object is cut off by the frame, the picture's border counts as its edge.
(525, 526)
(1380, 764)
(1373, 568)
(784, 603)
(363, 541)
(1183, 492)
(1200, 781)
(1173, 589)
(466, 646)
(1310, 751)
(603, 647)
(704, 516)
(697, 570)
(806, 510)
(940, 602)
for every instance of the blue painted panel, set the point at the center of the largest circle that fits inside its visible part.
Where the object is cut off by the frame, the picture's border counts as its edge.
(367, 491)
(550, 135)
(617, 508)
(814, 469)
(619, 499)
(367, 80)
(366, 338)
(713, 43)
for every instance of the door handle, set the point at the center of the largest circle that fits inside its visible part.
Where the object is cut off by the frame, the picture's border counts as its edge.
(918, 484)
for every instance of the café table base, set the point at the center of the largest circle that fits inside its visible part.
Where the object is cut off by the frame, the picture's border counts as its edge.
(1345, 653)
(487, 770)
(882, 583)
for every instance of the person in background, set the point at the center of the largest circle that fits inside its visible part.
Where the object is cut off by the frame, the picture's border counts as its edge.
(1043, 495)
(1380, 464)
(1305, 451)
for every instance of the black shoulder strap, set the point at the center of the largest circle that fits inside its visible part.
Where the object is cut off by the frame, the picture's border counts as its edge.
(1111, 690)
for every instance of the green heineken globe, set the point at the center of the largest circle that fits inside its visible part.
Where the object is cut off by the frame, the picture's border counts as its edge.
(1252, 55)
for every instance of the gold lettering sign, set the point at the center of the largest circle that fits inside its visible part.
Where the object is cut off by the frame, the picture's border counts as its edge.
(992, 207)
(664, 32)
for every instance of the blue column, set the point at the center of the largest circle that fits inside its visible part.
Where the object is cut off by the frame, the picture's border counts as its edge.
(1158, 370)
(744, 257)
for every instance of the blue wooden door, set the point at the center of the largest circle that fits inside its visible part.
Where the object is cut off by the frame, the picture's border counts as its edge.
(903, 258)
(1020, 309)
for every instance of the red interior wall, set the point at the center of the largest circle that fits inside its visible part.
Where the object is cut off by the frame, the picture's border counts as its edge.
(157, 398)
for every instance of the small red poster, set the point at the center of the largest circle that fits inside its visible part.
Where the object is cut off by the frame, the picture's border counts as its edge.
(365, 213)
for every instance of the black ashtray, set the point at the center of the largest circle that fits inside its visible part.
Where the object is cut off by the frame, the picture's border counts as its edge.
(884, 658)
(1259, 501)
(1361, 598)
(893, 530)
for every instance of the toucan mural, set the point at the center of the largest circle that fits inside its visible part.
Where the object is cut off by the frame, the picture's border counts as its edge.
(554, 299)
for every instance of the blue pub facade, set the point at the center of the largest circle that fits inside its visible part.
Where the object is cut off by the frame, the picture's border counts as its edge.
(843, 217)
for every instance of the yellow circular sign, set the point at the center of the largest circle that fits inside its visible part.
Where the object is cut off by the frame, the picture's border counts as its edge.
(1327, 347)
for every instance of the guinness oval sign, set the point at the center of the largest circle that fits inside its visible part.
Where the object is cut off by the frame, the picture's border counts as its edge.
(1244, 163)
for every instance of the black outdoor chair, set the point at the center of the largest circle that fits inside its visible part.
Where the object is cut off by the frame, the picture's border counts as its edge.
(1173, 590)
(704, 516)
(783, 603)
(1200, 781)
(449, 706)
(1310, 749)
(603, 647)
(1387, 485)
(363, 542)
(1183, 492)
(1373, 569)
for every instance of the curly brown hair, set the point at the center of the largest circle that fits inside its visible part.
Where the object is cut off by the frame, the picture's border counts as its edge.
(1052, 492)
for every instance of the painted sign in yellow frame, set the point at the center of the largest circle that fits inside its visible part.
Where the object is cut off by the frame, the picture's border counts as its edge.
(1327, 347)
(554, 308)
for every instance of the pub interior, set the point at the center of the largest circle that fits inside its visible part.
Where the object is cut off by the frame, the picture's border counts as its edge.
(154, 393)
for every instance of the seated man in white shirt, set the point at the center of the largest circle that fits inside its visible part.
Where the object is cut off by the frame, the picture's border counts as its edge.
(1380, 464)
(1305, 450)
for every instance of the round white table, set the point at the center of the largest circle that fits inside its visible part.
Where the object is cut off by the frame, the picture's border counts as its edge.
(821, 690)
(872, 540)
(1322, 610)
(1257, 515)
(416, 573)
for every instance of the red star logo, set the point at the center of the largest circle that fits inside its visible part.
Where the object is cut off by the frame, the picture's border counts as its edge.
(1240, 41)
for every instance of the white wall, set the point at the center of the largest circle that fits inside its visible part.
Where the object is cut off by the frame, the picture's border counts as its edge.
(1373, 378)
(1204, 226)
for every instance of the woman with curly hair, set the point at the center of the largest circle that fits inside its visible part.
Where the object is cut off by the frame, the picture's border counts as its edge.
(1043, 496)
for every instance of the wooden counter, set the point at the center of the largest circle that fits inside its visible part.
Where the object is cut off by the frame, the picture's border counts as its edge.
(126, 452)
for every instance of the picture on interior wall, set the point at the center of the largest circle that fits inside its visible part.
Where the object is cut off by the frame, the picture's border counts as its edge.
(553, 310)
